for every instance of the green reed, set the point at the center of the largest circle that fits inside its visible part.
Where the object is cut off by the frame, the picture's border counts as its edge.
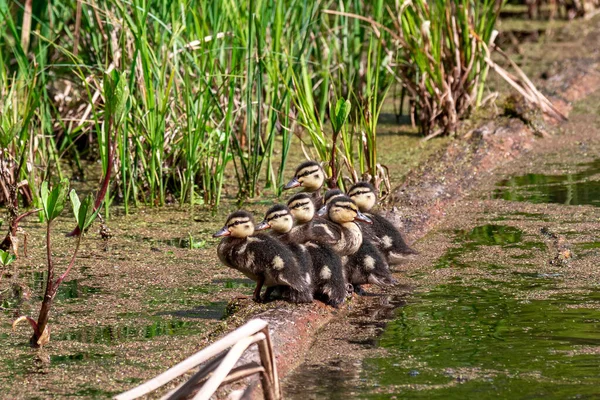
(208, 87)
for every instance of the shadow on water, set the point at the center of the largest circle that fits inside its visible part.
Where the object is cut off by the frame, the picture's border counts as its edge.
(214, 310)
(235, 283)
(569, 189)
(187, 242)
(79, 357)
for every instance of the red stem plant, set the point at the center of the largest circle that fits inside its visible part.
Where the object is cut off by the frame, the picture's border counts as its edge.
(53, 202)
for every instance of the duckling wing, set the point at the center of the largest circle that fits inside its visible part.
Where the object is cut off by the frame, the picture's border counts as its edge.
(325, 231)
(368, 265)
(278, 264)
(329, 280)
(388, 239)
(299, 234)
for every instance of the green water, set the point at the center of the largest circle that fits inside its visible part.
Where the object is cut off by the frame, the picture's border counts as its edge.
(484, 340)
(115, 334)
(507, 334)
(485, 235)
(459, 341)
(570, 189)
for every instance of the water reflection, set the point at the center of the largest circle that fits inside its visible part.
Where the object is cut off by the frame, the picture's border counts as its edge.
(115, 334)
(569, 189)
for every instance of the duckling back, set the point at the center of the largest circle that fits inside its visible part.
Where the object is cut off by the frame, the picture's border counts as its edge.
(388, 239)
(327, 274)
(383, 233)
(329, 278)
(368, 265)
(262, 255)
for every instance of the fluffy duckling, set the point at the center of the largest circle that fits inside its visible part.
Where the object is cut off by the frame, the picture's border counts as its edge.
(367, 264)
(339, 230)
(261, 258)
(327, 273)
(310, 176)
(382, 232)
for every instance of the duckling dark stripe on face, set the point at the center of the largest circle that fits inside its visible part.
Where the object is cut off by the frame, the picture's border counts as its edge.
(358, 192)
(303, 173)
(298, 205)
(271, 217)
(347, 206)
(237, 221)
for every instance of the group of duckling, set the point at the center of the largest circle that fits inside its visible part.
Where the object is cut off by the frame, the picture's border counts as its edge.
(316, 248)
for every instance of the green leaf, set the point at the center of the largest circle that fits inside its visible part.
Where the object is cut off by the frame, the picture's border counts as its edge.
(53, 201)
(76, 204)
(87, 213)
(342, 111)
(83, 211)
(6, 258)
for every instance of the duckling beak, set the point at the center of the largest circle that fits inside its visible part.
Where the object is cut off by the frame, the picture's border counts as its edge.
(322, 211)
(292, 184)
(222, 232)
(363, 218)
(262, 226)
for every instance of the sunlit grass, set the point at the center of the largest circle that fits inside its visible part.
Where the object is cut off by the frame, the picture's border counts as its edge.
(214, 88)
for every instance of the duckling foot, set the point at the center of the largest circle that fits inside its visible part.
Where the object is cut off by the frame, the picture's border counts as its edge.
(334, 303)
(257, 299)
(259, 284)
(360, 291)
(267, 296)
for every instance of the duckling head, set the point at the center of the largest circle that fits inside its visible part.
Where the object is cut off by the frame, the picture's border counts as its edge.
(329, 195)
(363, 194)
(240, 224)
(302, 207)
(277, 218)
(309, 175)
(342, 210)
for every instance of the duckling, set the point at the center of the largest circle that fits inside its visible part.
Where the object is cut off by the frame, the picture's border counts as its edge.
(338, 231)
(367, 264)
(382, 232)
(310, 176)
(261, 258)
(325, 267)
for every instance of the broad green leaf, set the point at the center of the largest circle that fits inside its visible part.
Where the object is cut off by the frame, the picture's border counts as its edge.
(6, 258)
(53, 201)
(44, 196)
(76, 204)
(87, 213)
(84, 211)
